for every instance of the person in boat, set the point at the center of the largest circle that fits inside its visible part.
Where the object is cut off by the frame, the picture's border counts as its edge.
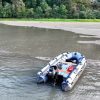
(52, 70)
(75, 57)
(60, 69)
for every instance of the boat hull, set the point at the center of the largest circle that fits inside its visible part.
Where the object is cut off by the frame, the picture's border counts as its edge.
(67, 82)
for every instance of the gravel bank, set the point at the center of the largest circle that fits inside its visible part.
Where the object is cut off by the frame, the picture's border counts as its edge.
(88, 28)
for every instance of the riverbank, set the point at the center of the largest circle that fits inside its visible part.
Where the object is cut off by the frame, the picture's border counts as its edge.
(50, 20)
(88, 28)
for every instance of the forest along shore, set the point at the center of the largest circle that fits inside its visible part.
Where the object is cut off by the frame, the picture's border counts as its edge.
(87, 28)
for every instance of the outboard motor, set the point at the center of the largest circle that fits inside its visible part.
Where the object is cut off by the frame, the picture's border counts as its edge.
(64, 86)
(41, 78)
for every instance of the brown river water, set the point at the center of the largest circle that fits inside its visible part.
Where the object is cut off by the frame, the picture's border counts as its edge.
(24, 51)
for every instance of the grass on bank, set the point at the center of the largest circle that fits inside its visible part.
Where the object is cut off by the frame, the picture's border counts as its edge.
(50, 20)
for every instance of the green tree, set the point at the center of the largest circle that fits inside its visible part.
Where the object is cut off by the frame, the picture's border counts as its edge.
(38, 12)
(72, 11)
(30, 3)
(7, 10)
(76, 15)
(46, 9)
(44, 5)
(57, 2)
(62, 11)
(97, 14)
(20, 8)
(55, 11)
(82, 7)
(69, 4)
(90, 14)
(20, 13)
(14, 13)
(82, 15)
(48, 12)
(50, 8)
(49, 2)
(1, 13)
(29, 13)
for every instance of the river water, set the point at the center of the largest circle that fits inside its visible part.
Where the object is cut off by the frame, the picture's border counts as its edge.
(24, 51)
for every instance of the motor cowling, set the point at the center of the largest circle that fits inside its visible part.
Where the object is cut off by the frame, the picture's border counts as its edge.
(64, 86)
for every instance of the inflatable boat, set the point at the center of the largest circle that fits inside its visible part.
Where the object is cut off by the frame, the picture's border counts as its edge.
(66, 69)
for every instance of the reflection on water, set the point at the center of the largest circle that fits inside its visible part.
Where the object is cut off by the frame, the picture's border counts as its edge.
(24, 51)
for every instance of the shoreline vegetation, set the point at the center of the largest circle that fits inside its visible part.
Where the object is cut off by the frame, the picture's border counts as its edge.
(50, 20)
(61, 9)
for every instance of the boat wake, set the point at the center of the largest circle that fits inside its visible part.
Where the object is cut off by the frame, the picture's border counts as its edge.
(44, 58)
